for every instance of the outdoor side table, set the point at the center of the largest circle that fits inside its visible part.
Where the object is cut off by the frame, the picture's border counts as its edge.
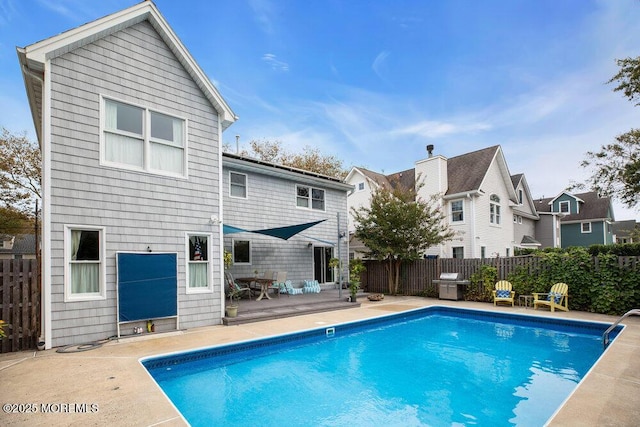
(527, 299)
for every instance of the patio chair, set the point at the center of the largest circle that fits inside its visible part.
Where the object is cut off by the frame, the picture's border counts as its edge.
(278, 282)
(290, 290)
(503, 292)
(557, 298)
(232, 286)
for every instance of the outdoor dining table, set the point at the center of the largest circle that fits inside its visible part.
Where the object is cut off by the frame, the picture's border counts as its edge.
(263, 282)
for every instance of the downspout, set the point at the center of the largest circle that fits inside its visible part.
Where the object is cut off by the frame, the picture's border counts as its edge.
(46, 327)
(220, 219)
(472, 226)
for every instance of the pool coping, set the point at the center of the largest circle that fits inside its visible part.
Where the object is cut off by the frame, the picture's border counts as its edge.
(113, 378)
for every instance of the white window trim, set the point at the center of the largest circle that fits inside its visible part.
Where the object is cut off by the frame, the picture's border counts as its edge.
(582, 224)
(310, 198)
(495, 219)
(209, 287)
(246, 185)
(233, 251)
(361, 184)
(564, 202)
(451, 212)
(102, 294)
(146, 138)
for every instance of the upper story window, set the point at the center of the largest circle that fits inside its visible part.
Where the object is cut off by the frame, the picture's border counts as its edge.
(457, 211)
(309, 197)
(564, 206)
(520, 196)
(360, 186)
(198, 270)
(141, 139)
(238, 185)
(85, 269)
(494, 209)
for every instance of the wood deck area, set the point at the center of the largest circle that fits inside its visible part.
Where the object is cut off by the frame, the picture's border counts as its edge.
(281, 306)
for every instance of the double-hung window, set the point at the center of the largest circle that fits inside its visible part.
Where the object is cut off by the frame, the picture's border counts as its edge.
(85, 270)
(238, 185)
(457, 211)
(141, 139)
(494, 209)
(309, 197)
(199, 267)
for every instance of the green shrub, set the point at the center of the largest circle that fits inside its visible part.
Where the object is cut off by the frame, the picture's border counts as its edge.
(483, 282)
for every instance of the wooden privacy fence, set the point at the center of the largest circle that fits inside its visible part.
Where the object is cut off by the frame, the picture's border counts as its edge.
(19, 304)
(416, 278)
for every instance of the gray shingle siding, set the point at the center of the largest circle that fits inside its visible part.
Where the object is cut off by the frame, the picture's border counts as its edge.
(271, 202)
(138, 210)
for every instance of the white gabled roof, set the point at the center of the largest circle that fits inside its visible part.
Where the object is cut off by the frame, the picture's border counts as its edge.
(33, 57)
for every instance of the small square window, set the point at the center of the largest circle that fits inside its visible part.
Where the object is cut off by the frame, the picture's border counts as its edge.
(458, 252)
(360, 186)
(242, 252)
(586, 227)
(564, 206)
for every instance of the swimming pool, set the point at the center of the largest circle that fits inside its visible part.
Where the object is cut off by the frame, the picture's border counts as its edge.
(434, 366)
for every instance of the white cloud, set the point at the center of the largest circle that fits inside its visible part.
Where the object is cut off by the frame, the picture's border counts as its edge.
(435, 129)
(275, 63)
(379, 63)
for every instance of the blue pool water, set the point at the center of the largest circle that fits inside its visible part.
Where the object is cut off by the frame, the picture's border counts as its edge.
(430, 367)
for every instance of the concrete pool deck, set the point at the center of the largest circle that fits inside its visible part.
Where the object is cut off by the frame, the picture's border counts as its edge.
(108, 385)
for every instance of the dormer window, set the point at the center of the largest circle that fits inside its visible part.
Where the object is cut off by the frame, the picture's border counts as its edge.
(564, 206)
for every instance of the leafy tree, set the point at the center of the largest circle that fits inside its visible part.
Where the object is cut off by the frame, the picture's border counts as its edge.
(628, 78)
(20, 171)
(616, 167)
(15, 222)
(398, 227)
(310, 159)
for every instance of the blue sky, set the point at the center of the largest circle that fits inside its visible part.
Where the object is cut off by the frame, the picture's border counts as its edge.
(374, 82)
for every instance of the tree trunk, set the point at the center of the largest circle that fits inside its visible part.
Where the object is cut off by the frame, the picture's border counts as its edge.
(398, 264)
(389, 268)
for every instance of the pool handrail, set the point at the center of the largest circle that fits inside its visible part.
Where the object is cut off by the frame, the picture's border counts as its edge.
(605, 336)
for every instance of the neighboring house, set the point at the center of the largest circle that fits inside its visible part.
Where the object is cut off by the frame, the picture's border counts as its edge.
(20, 246)
(259, 195)
(622, 230)
(130, 132)
(585, 219)
(491, 212)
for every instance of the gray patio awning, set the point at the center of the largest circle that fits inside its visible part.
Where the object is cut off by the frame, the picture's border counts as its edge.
(284, 233)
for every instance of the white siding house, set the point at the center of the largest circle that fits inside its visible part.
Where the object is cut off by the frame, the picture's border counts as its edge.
(129, 128)
(475, 191)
